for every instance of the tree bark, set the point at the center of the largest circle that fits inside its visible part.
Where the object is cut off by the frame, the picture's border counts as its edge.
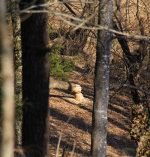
(6, 89)
(101, 85)
(16, 35)
(35, 60)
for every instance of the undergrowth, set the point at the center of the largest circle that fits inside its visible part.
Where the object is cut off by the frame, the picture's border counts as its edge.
(60, 67)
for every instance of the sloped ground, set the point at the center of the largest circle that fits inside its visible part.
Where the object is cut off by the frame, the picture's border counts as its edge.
(70, 121)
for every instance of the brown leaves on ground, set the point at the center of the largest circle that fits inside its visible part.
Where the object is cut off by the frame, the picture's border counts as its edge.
(71, 122)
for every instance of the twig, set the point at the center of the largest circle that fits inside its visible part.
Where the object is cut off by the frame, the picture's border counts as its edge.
(58, 145)
(59, 140)
(130, 86)
(63, 16)
(84, 22)
(74, 146)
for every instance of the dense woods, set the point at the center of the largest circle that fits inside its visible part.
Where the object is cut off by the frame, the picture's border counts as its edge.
(74, 78)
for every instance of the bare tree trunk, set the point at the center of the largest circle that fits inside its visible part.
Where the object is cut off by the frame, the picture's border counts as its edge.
(101, 86)
(16, 34)
(35, 60)
(7, 88)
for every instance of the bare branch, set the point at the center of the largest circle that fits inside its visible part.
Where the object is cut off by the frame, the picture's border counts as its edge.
(89, 26)
(129, 86)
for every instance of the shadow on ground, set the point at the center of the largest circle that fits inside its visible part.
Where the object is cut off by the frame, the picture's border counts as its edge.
(117, 142)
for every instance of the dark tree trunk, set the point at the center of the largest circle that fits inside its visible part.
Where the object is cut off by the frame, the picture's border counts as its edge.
(35, 60)
(101, 86)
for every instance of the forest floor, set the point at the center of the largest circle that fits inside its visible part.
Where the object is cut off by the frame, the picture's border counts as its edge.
(70, 120)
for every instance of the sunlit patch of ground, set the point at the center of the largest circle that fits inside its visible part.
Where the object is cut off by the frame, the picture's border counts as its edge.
(70, 122)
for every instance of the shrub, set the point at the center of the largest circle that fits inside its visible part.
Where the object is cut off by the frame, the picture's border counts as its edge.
(60, 68)
(52, 33)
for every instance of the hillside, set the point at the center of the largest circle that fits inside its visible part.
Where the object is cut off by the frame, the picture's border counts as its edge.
(70, 120)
